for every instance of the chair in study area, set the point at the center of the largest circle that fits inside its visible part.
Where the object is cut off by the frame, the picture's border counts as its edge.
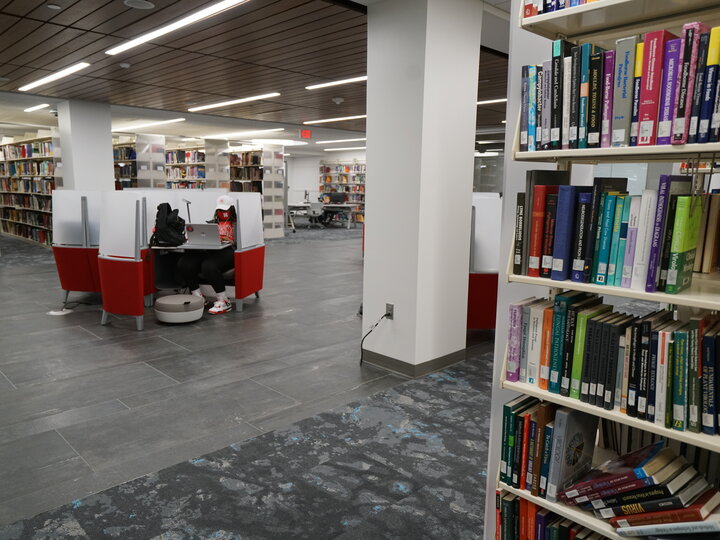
(314, 213)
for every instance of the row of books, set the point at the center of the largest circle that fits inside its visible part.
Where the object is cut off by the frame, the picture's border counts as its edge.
(246, 158)
(184, 156)
(184, 184)
(343, 179)
(649, 367)
(31, 168)
(191, 171)
(353, 168)
(41, 236)
(39, 219)
(531, 8)
(124, 152)
(548, 451)
(600, 234)
(27, 185)
(27, 150)
(661, 90)
(254, 187)
(246, 173)
(26, 202)
(325, 188)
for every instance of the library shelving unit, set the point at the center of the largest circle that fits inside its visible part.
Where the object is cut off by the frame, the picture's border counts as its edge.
(204, 165)
(27, 179)
(246, 170)
(603, 22)
(345, 177)
(139, 161)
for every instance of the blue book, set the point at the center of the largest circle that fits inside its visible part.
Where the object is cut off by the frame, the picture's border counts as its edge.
(606, 226)
(574, 3)
(615, 241)
(561, 4)
(564, 231)
(586, 49)
(709, 390)
(546, 457)
(708, 92)
(557, 343)
(580, 238)
(622, 243)
(532, 107)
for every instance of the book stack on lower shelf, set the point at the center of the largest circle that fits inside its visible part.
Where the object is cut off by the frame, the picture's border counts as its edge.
(26, 208)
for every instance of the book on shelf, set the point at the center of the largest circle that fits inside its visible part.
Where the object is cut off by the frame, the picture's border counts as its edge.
(686, 84)
(668, 90)
(623, 89)
(697, 511)
(710, 525)
(595, 91)
(637, 87)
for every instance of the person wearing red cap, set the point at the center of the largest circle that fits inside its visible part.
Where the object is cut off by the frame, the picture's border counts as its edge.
(212, 264)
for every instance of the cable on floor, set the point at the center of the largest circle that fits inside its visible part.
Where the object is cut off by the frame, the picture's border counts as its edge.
(373, 327)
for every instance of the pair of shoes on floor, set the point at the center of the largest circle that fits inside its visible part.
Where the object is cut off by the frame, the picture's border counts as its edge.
(220, 306)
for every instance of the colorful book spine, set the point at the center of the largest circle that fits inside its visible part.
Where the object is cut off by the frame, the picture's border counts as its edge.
(651, 82)
(575, 66)
(673, 49)
(607, 99)
(686, 86)
(567, 83)
(703, 48)
(684, 243)
(582, 227)
(560, 49)
(564, 229)
(547, 104)
(709, 398)
(679, 378)
(524, 107)
(637, 87)
(623, 87)
(546, 458)
(546, 262)
(642, 249)
(537, 228)
(657, 233)
(711, 79)
(595, 99)
(586, 49)
(606, 227)
(622, 244)
(514, 337)
(532, 108)
(519, 224)
(613, 268)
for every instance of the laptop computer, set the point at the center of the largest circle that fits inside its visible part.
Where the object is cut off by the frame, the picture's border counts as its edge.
(202, 235)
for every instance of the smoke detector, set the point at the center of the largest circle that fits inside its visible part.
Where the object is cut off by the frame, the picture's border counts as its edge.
(139, 4)
(338, 100)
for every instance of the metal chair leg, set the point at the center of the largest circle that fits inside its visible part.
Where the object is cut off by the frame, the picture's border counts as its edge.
(257, 294)
(140, 322)
(148, 300)
(66, 295)
(239, 304)
(104, 318)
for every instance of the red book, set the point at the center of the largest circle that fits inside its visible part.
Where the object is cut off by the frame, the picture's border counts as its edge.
(525, 449)
(523, 519)
(529, 8)
(650, 85)
(537, 223)
(698, 511)
(498, 514)
(531, 513)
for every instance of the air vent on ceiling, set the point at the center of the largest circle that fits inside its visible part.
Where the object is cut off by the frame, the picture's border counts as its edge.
(139, 4)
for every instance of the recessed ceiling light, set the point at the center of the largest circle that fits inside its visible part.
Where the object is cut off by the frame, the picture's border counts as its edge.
(139, 4)
(360, 139)
(233, 102)
(55, 7)
(341, 119)
(282, 142)
(55, 76)
(185, 21)
(123, 65)
(504, 122)
(491, 101)
(3, 79)
(241, 134)
(148, 124)
(336, 83)
(37, 107)
(342, 149)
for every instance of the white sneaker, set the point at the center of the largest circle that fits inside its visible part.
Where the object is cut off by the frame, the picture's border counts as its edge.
(220, 306)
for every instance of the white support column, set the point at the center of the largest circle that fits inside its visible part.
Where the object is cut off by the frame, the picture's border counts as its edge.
(423, 58)
(86, 142)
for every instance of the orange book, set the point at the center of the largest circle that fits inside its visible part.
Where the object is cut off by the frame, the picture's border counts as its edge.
(523, 518)
(544, 378)
(531, 512)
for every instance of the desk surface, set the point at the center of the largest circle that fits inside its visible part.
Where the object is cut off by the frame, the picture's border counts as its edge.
(339, 205)
(191, 247)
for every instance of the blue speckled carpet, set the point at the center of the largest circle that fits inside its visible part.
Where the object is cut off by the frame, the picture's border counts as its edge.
(404, 463)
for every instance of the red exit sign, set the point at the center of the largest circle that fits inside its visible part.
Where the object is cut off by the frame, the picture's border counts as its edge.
(305, 134)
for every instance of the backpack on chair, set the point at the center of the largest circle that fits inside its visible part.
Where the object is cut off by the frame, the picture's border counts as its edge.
(169, 228)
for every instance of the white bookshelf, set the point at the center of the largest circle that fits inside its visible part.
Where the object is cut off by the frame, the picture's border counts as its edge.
(346, 177)
(600, 22)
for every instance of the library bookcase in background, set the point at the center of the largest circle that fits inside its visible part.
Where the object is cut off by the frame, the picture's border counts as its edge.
(345, 177)
(602, 23)
(27, 179)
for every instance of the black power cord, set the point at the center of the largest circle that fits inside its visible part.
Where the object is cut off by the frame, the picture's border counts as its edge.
(373, 327)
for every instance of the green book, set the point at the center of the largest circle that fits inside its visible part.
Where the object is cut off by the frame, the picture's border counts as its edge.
(694, 376)
(507, 455)
(679, 376)
(622, 242)
(507, 509)
(615, 240)
(688, 214)
(557, 344)
(579, 350)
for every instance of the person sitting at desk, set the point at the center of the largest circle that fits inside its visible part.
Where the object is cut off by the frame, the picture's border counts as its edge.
(212, 264)
(332, 198)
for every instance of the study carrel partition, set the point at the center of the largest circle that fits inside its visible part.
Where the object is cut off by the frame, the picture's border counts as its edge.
(250, 252)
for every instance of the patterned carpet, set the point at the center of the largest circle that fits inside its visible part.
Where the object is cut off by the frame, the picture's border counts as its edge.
(404, 463)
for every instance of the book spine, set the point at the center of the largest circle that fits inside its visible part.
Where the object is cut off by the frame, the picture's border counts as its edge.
(597, 375)
(595, 100)
(708, 94)
(568, 349)
(715, 118)
(634, 370)
(709, 401)
(642, 250)
(631, 242)
(567, 83)
(532, 441)
(684, 244)
(626, 370)
(699, 87)
(643, 369)
(694, 378)
(563, 233)
(556, 92)
(558, 449)
(536, 231)
(546, 263)
(546, 460)
(669, 383)
(513, 361)
(686, 83)
(519, 222)
(547, 104)
(623, 86)
(653, 263)
(544, 379)
(620, 368)
(524, 451)
(668, 90)
(622, 241)
(574, 96)
(539, 90)
(606, 232)
(517, 449)
(650, 92)
(579, 238)
(593, 256)
(680, 373)
(504, 443)
(607, 99)
(591, 337)
(534, 345)
(529, 8)
(637, 87)
(524, 331)
(508, 514)
(616, 489)
(674, 528)
(660, 383)
(652, 376)
(667, 242)
(556, 345)
(585, 49)
(524, 107)
(532, 107)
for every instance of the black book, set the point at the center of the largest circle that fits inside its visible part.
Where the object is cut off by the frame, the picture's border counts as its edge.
(617, 330)
(519, 224)
(574, 96)
(561, 49)
(548, 235)
(633, 368)
(524, 108)
(539, 88)
(715, 124)
(600, 186)
(667, 242)
(534, 178)
(699, 86)
(592, 340)
(569, 340)
(683, 83)
(646, 329)
(601, 360)
(517, 450)
(595, 100)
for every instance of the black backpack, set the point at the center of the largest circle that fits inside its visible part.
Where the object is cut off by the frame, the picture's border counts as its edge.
(169, 228)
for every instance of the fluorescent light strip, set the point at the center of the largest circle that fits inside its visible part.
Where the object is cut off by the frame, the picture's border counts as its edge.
(55, 76)
(504, 122)
(343, 149)
(342, 141)
(149, 124)
(185, 21)
(486, 154)
(233, 102)
(37, 107)
(341, 119)
(490, 142)
(336, 83)
(240, 134)
(491, 101)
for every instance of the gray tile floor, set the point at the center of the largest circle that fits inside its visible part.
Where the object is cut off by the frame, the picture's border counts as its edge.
(84, 407)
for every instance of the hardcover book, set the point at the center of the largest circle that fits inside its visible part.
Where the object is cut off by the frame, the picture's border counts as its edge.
(710, 525)
(595, 99)
(607, 98)
(519, 223)
(708, 92)
(642, 248)
(586, 50)
(562, 301)
(567, 83)
(537, 227)
(532, 108)
(569, 340)
(631, 242)
(703, 48)
(697, 511)
(575, 67)
(547, 104)
(546, 262)
(560, 49)
(515, 339)
(524, 108)
(580, 343)
(564, 230)
(686, 82)
(684, 243)
(622, 209)
(671, 62)
(637, 87)
(651, 82)
(623, 87)
(580, 235)
(606, 231)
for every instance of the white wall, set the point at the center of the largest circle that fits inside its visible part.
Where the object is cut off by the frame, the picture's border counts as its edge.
(303, 173)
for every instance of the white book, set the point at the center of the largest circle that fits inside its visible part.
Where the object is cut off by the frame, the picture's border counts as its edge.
(665, 342)
(619, 372)
(626, 369)
(537, 312)
(648, 207)
(567, 82)
(711, 524)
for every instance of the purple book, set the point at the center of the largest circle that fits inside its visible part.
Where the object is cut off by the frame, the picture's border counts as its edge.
(671, 64)
(607, 98)
(542, 520)
(630, 242)
(683, 102)
(669, 185)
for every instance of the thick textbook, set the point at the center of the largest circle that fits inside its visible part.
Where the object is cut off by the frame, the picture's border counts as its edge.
(708, 92)
(607, 98)
(623, 88)
(686, 83)
(606, 234)
(699, 86)
(560, 49)
(515, 339)
(569, 340)
(565, 230)
(711, 524)
(578, 358)
(684, 242)
(668, 90)
(581, 231)
(642, 248)
(586, 50)
(575, 67)
(519, 224)
(697, 511)
(562, 301)
(631, 241)
(597, 62)
(637, 87)
(546, 260)
(524, 108)
(651, 82)
(537, 227)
